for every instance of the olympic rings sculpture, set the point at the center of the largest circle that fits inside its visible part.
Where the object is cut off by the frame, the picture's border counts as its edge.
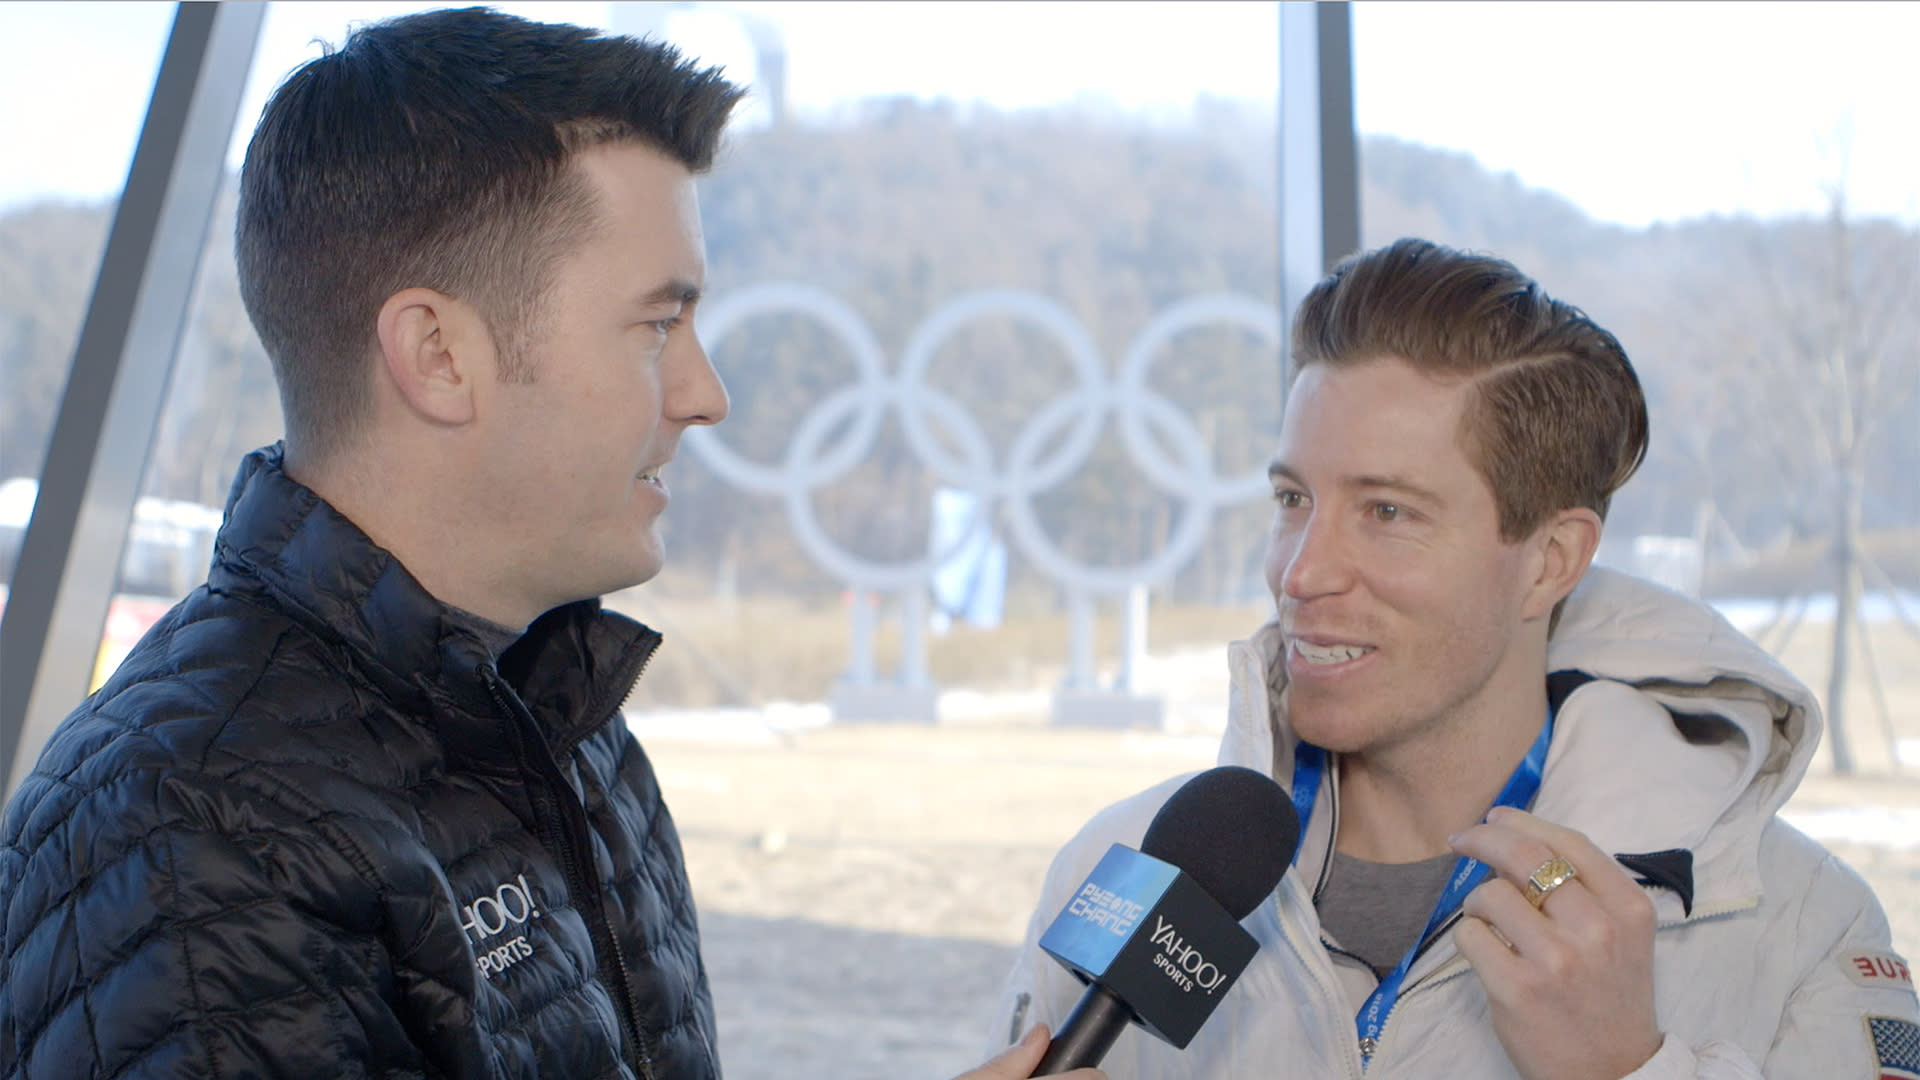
(810, 463)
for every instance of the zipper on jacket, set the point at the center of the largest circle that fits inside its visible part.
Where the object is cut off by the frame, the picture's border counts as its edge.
(560, 812)
(566, 747)
(1703, 912)
(1315, 957)
(1440, 976)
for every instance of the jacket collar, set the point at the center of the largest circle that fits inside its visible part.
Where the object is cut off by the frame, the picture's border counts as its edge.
(573, 667)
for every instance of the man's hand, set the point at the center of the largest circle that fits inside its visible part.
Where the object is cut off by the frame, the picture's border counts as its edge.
(1016, 1062)
(1571, 983)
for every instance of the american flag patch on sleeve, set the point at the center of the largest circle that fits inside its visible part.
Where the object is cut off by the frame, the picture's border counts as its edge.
(1896, 1046)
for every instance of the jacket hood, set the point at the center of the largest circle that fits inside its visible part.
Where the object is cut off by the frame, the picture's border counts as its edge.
(1717, 684)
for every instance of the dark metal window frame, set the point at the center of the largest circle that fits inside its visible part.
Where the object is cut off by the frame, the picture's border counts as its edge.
(117, 384)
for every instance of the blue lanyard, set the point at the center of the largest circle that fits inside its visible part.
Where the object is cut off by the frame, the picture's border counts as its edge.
(1310, 766)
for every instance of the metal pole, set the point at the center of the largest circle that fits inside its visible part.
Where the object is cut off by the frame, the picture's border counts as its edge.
(1080, 663)
(1339, 139)
(860, 661)
(1133, 639)
(117, 385)
(1319, 211)
(913, 638)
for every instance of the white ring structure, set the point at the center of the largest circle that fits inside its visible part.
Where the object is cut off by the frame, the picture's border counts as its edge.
(1147, 420)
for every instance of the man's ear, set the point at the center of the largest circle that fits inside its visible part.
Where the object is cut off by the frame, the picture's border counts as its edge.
(1564, 547)
(435, 351)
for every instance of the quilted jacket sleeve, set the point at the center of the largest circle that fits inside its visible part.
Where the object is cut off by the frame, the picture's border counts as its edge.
(172, 923)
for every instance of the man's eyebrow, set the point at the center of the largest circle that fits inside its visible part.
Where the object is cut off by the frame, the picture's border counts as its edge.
(1396, 483)
(1280, 470)
(676, 291)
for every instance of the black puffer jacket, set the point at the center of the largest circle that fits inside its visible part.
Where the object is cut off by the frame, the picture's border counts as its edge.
(311, 830)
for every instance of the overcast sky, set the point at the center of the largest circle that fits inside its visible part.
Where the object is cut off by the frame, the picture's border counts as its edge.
(1635, 111)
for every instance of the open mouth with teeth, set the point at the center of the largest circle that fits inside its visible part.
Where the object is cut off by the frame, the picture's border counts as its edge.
(651, 476)
(1325, 655)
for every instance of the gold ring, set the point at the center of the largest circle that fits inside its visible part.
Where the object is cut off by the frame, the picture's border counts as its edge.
(1550, 875)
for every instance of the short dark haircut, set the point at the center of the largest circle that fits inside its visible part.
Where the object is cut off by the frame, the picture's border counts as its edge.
(1557, 419)
(434, 151)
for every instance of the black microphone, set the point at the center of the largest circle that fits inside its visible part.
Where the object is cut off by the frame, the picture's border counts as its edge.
(1155, 933)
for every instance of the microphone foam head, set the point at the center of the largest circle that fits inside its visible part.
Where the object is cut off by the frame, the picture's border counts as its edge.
(1232, 830)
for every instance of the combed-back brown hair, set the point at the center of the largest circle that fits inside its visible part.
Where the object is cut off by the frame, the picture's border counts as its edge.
(1557, 418)
(433, 151)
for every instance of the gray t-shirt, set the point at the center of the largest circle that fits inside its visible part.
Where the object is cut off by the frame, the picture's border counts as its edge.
(1376, 910)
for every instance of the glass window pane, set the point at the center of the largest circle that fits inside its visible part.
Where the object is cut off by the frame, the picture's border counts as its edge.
(1105, 164)
(1754, 240)
(76, 79)
(1110, 165)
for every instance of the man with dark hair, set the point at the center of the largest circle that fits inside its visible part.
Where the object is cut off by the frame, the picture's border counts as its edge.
(364, 804)
(1538, 799)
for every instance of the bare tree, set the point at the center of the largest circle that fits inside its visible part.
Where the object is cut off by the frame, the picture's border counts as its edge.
(1833, 363)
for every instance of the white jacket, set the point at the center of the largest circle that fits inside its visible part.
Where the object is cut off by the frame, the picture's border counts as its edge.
(1692, 738)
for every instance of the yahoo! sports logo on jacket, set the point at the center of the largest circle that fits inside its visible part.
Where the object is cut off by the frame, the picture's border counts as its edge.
(509, 906)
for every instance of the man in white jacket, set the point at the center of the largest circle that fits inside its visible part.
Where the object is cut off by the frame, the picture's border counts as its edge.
(1538, 799)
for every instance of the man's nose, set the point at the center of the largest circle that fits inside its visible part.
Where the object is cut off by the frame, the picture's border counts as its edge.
(696, 395)
(1319, 561)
